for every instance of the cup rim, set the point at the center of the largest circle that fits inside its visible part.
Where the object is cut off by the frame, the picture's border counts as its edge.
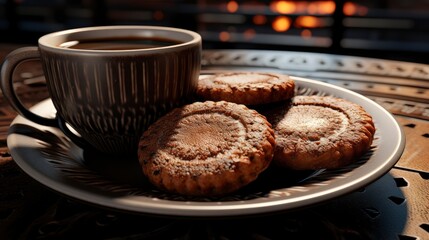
(44, 40)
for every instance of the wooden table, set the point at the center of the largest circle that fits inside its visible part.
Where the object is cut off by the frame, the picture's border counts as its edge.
(394, 207)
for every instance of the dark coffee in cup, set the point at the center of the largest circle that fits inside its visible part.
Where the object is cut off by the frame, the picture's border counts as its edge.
(110, 83)
(119, 43)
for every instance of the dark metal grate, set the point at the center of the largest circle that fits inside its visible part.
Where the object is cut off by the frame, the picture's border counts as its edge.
(384, 28)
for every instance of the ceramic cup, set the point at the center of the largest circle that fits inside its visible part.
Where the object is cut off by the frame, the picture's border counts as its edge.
(110, 83)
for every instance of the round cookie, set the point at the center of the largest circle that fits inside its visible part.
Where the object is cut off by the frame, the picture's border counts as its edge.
(249, 88)
(314, 132)
(206, 148)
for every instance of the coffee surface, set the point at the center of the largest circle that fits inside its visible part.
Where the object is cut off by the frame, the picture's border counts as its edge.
(120, 43)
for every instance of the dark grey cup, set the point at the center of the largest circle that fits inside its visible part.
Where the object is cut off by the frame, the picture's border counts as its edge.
(110, 96)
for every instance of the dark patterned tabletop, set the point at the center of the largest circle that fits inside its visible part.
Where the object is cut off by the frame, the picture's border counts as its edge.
(393, 207)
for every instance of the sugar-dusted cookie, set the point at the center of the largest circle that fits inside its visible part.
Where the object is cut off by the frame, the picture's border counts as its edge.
(314, 132)
(250, 88)
(206, 148)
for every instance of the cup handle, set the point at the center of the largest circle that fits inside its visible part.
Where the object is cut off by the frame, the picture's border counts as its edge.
(9, 65)
(11, 62)
(79, 141)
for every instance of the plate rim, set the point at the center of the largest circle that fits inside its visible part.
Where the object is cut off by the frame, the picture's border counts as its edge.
(216, 208)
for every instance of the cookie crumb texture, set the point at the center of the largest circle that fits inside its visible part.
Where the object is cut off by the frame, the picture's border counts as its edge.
(314, 132)
(249, 88)
(206, 148)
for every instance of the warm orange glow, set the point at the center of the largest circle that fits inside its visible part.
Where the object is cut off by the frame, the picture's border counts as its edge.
(259, 19)
(232, 6)
(283, 7)
(309, 7)
(326, 8)
(281, 24)
(158, 15)
(349, 8)
(306, 33)
(224, 36)
(249, 33)
(362, 11)
(308, 22)
(312, 8)
(301, 7)
(321, 7)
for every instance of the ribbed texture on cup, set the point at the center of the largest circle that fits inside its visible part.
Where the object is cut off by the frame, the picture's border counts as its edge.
(110, 101)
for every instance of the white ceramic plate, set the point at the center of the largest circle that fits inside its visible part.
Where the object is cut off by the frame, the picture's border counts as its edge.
(49, 157)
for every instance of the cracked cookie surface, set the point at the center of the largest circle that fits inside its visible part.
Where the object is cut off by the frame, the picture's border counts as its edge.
(314, 132)
(206, 148)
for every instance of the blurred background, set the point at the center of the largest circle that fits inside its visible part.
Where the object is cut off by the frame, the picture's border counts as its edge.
(389, 29)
